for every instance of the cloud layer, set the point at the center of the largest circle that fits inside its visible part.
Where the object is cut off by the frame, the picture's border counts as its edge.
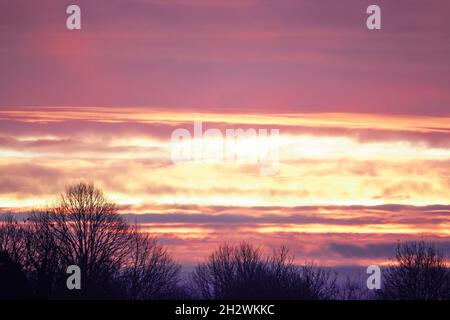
(364, 148)
(253, 55)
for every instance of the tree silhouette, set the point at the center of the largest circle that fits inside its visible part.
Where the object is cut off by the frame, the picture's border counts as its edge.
(85, 229)
(11, 235)
(42, 258)
(355, 288)
(89, 233)
(151, 274)
(417, 273)
(242, 272)
(13, 282)
(118, 261)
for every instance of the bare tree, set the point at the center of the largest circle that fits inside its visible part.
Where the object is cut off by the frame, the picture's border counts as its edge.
(41, 259)
(90, 233)
(243, 272)
(418, 272)
(11, 235)
(318, 283)
(228, 272)
(151, 273)
(85, 229)
(356, 289)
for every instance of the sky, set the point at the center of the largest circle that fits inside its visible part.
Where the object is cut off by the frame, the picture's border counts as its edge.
(363, 116)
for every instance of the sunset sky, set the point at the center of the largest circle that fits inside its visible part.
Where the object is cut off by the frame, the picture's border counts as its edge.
(363, 116)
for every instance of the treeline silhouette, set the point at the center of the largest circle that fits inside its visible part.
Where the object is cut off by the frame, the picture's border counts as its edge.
(119, 262)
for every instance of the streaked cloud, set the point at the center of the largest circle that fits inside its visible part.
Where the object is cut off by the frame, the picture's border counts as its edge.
(364, 119)
(292, 56)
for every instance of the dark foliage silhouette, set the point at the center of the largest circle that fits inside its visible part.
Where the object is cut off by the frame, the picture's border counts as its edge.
(117, 261)
(13, 282)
